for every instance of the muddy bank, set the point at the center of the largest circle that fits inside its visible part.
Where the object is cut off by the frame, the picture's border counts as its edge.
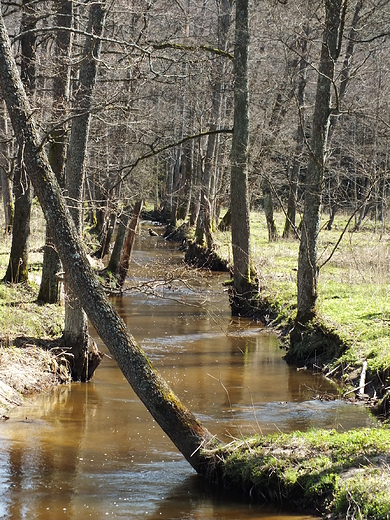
(26, 370)
(321, 349)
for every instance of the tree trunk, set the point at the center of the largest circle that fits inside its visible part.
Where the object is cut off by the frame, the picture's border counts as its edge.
(17, 270)
(114, 262)
(128, 247)
(49, 288)
(269, 210)
(203, 235)
(203, 232)
(289, 226)
(76, 323)
(5, 171)
(185, 431)
(107, 236)
(308, 250)
(242, 289)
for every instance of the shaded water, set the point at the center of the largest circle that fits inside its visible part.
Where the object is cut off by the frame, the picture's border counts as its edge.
(92, 451)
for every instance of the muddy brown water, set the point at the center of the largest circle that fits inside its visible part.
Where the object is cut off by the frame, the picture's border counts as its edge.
(93, 451)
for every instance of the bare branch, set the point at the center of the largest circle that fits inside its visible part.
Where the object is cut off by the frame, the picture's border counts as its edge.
(196, 48)
(156, 151)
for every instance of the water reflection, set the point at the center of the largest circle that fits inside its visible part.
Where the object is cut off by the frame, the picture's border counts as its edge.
(93, 451)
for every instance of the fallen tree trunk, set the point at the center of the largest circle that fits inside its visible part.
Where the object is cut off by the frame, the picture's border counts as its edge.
(186, 432)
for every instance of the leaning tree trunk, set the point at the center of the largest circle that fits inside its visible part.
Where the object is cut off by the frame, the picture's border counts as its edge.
(186, 432)
(75, 334)
(17, 270)
(49, 289)
(308, 250)
(242, 288)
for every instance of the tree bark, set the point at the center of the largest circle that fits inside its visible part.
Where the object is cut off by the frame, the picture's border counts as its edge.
(128, 247)
(17, 271)
(6, 171)
(242, 287)
(49, 288)
(185, 431)
(115, 258)
(308, 250)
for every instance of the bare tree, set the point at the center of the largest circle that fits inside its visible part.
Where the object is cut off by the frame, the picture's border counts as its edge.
(308, 250)
(17, 270)
(85, 357)
(49, 287)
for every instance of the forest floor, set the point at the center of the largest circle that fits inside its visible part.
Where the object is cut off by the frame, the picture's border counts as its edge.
(338, 475)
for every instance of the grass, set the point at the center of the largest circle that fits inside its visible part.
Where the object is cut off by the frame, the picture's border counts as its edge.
(343, 475)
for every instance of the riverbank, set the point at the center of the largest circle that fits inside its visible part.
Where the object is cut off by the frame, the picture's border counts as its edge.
(30, 359)
(335, 475)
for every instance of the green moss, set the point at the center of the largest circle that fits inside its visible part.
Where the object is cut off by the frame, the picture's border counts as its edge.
(365, 495)
(318, 470)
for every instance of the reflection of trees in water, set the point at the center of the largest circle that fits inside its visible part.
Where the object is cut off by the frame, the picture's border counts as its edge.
(307, 392)
(44, 457)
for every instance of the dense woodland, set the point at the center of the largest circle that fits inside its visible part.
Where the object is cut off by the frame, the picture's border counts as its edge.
(204, 109)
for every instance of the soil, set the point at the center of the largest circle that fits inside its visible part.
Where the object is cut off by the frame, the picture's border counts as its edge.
(28, 369)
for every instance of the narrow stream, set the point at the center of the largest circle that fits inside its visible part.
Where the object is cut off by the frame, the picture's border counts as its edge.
(93, 451)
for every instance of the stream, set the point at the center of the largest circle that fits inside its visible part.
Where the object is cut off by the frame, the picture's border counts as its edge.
(93, 451)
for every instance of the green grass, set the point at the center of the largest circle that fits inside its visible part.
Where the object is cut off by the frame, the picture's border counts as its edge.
(345, 474)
